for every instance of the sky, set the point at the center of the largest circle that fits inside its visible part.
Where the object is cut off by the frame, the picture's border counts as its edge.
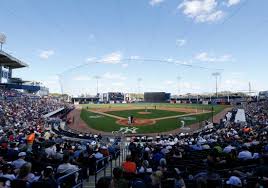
(68, 44)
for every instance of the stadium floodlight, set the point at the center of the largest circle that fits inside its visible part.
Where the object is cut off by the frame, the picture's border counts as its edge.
(179, 85)
(2, 40)
(139, 85)
(97, 78)
(216, 75)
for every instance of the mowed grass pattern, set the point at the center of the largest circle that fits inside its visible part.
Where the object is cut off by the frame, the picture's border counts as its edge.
(153, 105)
(153, 113)
(108, 124)
(103, 123)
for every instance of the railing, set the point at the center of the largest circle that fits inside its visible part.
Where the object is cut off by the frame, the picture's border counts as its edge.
(106, 161)
(78, 179)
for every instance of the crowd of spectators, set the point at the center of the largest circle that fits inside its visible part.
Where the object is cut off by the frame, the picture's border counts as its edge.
(31, 155)
(225, 155)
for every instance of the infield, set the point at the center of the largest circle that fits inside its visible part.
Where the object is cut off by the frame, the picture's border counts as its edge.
(166, 117)
(141, 113)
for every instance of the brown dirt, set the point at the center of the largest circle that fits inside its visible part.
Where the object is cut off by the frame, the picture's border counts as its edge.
(144, 112)
(80, 126)
(137, 122)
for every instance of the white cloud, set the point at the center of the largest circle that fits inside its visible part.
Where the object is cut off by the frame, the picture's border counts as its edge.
(201, 10)
(134, 57)
(90, 59)
(155, 2)
(113, 76)
(178, 62)
(82, 78)
(205, 57)
(169, 60)
(45, 54)
(112, 58)
(232, 2)
(124, 65)
(180, 42)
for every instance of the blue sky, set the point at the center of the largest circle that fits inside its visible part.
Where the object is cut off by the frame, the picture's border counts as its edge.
(56, 36)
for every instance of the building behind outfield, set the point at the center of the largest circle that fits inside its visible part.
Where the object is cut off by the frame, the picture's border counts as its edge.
(155, 97)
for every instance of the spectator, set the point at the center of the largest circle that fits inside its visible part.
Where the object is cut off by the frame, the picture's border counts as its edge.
(30, 140)
(118, 181)
(244, 154)
(66, 167)
(129, 166)
(234, 181)
(48, 177)
(20, 161)
(156, 179)
(25, 173)
(7, 172)
(145, 168)
(179, 182)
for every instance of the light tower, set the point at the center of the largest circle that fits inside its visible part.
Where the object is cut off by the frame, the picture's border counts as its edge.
(2, 40)
(179, 85)
(97, 79)
(216, 75)
(139, 85)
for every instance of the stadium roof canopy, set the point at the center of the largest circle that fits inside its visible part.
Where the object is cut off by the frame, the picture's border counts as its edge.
(10, 61)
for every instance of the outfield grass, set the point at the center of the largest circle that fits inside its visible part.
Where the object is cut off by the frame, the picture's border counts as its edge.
(108, 124)
(217, 108)
(154, 113)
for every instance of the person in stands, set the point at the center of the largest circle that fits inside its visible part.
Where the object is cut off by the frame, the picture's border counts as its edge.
(66, 167)
(129, 166)
(118, 181)
(30, 140)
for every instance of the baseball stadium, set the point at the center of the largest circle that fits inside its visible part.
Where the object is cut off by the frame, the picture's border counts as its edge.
(148, 117)
(133, 94)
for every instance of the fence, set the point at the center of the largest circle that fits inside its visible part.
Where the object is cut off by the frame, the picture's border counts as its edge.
(103, 164)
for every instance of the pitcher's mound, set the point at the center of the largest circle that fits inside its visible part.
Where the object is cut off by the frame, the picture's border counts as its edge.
(144, 112)
(137, 122)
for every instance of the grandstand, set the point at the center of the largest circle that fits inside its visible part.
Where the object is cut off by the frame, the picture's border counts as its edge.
(39, 150)
(8, 64)
(134, 94)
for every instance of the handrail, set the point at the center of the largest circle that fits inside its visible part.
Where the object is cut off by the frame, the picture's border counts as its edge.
(109, 160)
(61, 179)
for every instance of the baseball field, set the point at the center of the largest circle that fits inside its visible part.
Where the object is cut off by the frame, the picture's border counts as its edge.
(148, 118)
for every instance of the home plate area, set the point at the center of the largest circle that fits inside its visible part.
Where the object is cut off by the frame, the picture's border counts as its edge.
(144, 112)
(136, 122)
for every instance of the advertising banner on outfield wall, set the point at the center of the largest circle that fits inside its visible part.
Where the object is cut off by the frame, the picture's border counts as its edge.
(205, 102)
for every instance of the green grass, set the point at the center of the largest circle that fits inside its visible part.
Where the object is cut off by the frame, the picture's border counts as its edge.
(154, 113)
(108, 124)
(217, 108)
(104, 123)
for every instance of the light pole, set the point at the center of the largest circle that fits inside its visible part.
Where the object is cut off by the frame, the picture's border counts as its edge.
(2, 40)
(97, 79)
(139, 85)
(216, 75)
(179, 85)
